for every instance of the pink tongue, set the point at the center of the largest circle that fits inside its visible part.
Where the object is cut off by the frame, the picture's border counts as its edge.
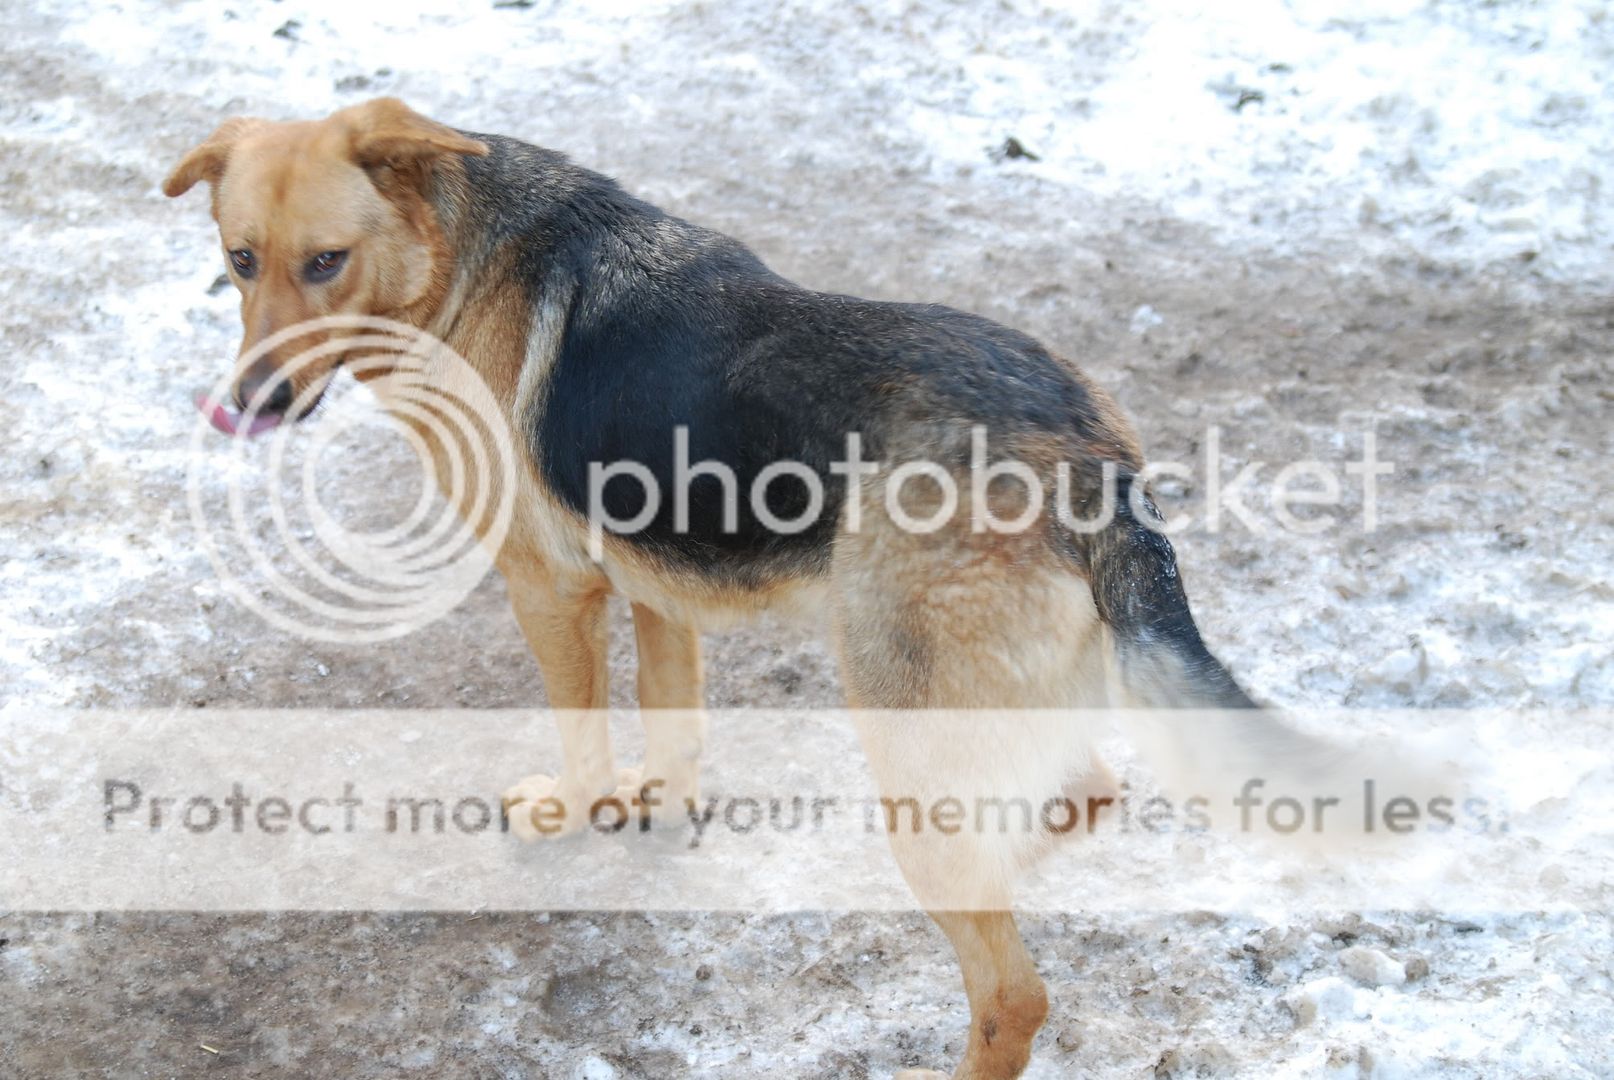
(228, 420)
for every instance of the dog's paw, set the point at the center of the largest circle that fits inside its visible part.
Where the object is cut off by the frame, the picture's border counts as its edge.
(670, 803)
(922, 1074)
(546, 808)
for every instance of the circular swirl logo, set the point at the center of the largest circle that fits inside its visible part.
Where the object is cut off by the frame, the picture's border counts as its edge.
(305, 569)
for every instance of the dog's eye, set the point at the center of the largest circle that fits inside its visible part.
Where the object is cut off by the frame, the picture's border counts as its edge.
(325, 265)
(243, 262)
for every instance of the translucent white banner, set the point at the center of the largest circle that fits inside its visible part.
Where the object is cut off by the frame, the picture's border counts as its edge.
(402, 810)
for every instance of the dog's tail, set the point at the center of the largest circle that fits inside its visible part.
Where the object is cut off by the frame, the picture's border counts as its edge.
(1215, 742)
(1139, 596)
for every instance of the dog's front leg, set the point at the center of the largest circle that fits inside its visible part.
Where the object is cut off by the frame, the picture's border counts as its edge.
(672, 703)
(564, 624)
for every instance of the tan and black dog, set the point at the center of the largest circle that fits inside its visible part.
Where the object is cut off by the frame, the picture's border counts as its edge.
(603, 326)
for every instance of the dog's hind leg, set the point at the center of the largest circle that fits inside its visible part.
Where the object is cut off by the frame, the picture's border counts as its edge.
(672, 703)
(982, 768)
(565, 628)
(963, 656)
(1008, 1002)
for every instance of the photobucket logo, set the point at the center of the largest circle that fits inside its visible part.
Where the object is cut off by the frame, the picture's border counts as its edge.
(920, 496)
(323, 579)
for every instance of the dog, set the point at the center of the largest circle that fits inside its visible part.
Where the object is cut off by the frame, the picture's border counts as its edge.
(605, 328)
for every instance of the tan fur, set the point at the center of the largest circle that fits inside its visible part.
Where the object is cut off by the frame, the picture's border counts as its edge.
(954, 620)
(352, 182)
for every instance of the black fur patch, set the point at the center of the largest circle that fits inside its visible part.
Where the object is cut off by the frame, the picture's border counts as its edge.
(1139, 594)
(670, 324)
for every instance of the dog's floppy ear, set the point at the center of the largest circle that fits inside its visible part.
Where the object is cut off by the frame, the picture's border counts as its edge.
(388, 132)
(207, 161)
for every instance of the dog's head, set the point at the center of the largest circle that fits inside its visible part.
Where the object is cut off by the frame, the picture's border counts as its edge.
(329, 217)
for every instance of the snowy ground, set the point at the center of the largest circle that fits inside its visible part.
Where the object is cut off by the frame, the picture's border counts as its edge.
(1290, 222)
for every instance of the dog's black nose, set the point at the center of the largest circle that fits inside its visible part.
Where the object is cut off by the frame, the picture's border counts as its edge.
(276, 400)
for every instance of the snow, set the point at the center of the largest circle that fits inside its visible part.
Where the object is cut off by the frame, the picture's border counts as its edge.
(1372, 968)
(1473, 135)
